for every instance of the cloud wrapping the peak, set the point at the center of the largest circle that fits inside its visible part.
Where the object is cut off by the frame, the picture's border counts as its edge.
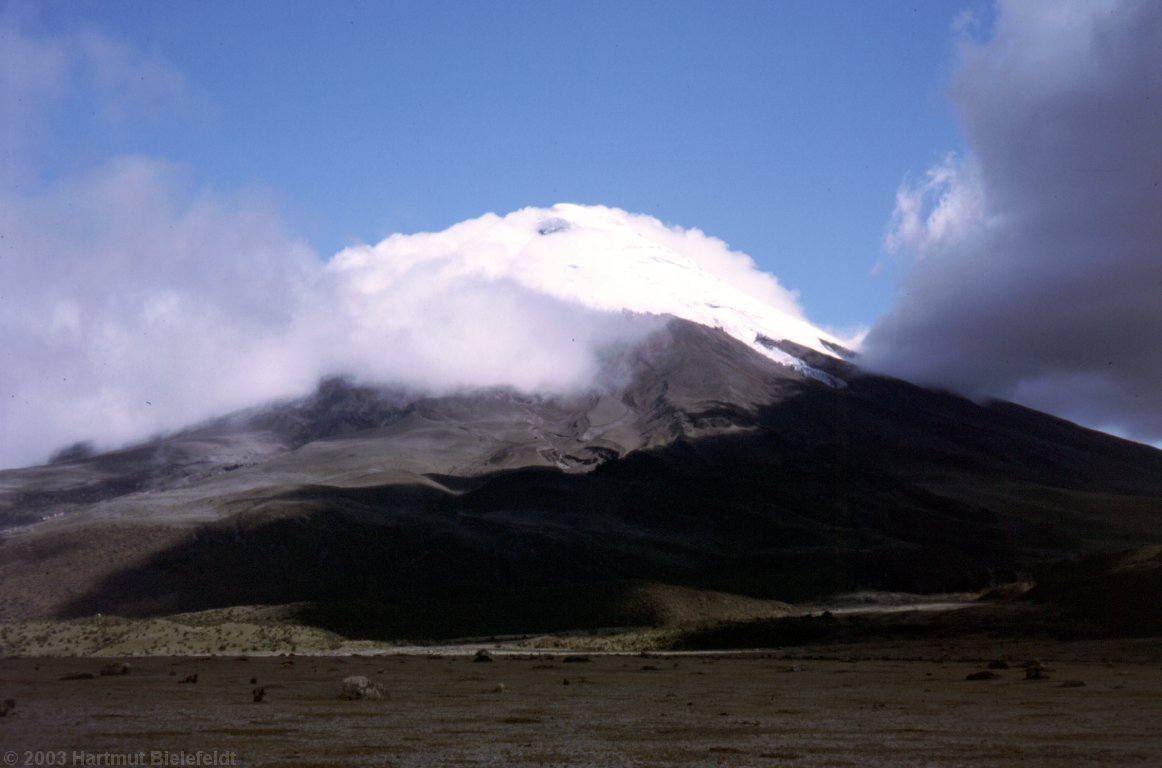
(530, 298)
(734, 268)
(134, 307)
(603, 257)
(133, 303)
(1035, 263)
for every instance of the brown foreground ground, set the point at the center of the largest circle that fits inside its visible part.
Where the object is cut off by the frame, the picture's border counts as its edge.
(891, 705)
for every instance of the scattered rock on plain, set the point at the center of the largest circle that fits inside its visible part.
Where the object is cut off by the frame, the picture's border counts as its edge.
(359, 687)
(112, 670)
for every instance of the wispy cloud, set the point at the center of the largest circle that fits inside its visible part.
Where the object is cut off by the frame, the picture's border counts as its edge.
(34, 74)
(1035, 263)
(127, 82)
(85, 79)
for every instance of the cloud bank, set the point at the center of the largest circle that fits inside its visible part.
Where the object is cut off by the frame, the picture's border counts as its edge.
(133, 307)
(1036, 261)
(132, 303)
(128, 307)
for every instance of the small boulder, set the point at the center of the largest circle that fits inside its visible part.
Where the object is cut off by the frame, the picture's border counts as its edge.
(482, 655)
(113, 670)
(359, 687)
(7, 706)
(984, 674)
(258, 693)
(189, 679)
(1035, 672)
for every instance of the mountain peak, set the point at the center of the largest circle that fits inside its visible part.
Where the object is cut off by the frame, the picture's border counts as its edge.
(609, 260)
(533, 300)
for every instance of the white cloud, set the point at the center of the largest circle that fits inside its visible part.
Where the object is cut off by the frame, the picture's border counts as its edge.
(941, 212)
(136, 307)
(621, 252)
(735, 268)
(119, 290)
(132, 304)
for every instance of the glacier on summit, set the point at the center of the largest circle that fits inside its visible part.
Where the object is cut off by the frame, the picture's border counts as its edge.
(608, 260)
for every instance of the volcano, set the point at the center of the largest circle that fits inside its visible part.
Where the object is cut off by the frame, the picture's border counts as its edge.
(722, 444)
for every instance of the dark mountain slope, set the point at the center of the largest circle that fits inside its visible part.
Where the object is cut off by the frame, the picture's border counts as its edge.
(707, 466)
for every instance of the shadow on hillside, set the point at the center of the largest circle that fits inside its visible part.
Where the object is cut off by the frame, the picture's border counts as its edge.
(877, 486)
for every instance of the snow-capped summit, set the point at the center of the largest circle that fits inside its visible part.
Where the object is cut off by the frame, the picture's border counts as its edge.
(604, 259)
(536, 301)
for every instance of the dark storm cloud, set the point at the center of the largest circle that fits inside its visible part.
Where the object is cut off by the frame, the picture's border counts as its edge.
(1036, 262)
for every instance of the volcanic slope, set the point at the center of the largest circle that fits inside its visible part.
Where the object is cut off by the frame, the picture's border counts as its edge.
(708, 465)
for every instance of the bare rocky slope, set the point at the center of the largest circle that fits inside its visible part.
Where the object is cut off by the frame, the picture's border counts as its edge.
(698, 462)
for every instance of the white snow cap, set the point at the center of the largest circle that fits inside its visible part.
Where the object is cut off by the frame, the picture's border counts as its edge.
(603, 259)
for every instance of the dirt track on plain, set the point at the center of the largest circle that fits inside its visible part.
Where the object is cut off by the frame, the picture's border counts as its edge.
(619, 710)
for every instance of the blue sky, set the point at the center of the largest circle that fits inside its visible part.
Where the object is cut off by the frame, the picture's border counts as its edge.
(783, 128)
